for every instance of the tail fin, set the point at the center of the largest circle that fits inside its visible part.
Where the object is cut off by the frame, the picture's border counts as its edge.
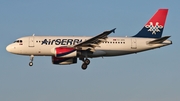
(154, 27)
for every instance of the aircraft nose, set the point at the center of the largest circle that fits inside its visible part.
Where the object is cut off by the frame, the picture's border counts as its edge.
(9, 48)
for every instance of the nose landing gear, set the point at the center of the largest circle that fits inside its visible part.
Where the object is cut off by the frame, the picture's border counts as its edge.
(31, 62)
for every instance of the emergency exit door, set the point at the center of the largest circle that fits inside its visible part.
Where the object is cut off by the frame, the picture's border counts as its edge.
(133, 43)
(31, 41)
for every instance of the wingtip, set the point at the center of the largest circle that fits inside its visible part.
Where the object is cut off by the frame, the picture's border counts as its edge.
(113, 30)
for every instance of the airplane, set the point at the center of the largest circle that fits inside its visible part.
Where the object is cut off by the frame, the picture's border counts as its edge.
(65, 50)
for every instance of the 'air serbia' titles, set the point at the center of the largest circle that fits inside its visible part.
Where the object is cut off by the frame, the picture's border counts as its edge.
(61, 41)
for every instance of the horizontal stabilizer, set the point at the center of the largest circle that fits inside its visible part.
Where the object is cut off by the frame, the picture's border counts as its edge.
(160, 40)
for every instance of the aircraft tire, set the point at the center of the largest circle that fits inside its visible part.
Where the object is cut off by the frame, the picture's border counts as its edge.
(84, 66)
(87, 61)
(30, 63)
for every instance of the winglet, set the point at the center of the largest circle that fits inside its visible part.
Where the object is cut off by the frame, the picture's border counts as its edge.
(113, 30)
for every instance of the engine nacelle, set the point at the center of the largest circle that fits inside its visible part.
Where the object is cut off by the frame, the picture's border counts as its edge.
(65, 52)
(63, 61)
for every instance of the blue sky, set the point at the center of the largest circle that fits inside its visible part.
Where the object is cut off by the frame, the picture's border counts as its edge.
(147, 76)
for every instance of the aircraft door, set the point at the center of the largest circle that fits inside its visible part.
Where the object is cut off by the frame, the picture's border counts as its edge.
(133, 43)
(31, 41)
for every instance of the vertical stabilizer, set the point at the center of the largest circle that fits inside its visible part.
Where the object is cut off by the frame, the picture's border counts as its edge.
(154, 27)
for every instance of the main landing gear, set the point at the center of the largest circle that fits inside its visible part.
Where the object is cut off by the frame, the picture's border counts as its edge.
(85, 64)
(31, 58)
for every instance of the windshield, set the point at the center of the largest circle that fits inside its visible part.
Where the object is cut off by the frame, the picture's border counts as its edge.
(18, 41)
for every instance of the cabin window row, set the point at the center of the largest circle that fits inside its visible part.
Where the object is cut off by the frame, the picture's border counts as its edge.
(38, 41)
(114, 42)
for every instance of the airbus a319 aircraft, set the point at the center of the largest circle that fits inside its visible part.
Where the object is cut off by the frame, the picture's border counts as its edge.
(65, 50)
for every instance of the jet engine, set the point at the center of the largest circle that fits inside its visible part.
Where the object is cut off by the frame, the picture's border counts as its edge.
(63, 61)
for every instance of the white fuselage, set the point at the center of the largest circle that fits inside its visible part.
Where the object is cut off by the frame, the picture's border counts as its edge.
(113, 46)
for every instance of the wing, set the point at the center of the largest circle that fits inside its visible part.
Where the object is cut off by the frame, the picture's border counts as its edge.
(94, 41)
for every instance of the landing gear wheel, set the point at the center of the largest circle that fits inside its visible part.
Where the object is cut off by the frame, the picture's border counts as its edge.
(30, 63)
(84, 66)
(87, 61)
(31, 58)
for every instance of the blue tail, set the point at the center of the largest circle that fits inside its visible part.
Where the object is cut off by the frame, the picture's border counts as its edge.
(154, 27)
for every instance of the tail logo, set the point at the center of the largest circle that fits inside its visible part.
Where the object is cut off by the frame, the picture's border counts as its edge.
(153, 28)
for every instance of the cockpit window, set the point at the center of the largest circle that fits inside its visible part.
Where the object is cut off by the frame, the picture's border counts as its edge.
(18, 41)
